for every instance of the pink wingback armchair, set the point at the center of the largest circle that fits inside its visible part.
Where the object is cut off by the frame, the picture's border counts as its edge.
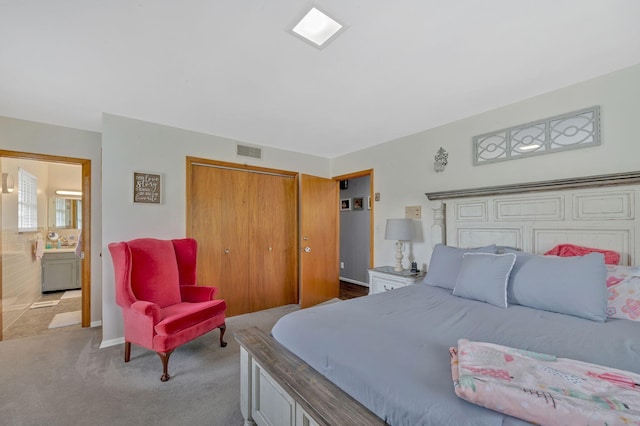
(162, 306)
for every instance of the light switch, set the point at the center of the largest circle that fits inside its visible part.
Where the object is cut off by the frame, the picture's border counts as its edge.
(413, 212)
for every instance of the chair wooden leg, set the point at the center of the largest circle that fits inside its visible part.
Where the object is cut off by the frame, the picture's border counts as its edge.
(164, 357)
(127, 351)
(222, 328)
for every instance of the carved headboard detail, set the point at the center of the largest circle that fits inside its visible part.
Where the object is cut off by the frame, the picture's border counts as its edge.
(599, 212)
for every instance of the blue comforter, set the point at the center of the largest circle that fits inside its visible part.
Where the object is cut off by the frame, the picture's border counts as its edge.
(390, 350)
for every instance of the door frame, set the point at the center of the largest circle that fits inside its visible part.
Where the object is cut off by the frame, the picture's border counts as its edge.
(362, 173)
(86, 224)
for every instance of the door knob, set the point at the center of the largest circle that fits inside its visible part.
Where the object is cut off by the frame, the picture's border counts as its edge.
(226, 251)
(307, 249)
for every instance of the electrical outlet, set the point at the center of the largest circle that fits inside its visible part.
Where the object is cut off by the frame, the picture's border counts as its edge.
(413, 212)
(341, 265)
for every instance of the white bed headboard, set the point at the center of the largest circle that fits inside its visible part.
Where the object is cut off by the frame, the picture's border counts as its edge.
(535, 217)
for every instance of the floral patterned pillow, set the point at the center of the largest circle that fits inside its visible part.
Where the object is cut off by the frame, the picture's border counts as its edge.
(623, 286)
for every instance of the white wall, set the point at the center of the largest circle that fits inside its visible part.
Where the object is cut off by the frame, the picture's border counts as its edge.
(132, 145)
(404, 167)
(38, 138)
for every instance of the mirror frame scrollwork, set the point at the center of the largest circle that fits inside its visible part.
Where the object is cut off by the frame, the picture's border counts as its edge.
(577, 129)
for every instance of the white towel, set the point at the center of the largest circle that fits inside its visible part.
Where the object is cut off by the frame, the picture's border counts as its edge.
(79, 246)
(39, 248)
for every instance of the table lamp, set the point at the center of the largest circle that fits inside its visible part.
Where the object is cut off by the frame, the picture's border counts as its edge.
(400, 230)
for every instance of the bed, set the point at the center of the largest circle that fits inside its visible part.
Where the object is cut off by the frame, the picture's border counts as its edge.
(389, 351)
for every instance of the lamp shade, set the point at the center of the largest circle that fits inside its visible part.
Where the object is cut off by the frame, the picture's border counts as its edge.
(399, 229)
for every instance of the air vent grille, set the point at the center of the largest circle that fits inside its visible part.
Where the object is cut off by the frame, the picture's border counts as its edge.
(249, 151)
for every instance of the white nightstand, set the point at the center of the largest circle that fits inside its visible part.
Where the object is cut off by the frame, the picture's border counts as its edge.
(384, 278)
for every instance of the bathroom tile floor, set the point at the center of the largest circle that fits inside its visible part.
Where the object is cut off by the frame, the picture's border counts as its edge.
(35, 322)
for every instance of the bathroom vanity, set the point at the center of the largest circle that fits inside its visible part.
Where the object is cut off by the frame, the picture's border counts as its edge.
(60, 270)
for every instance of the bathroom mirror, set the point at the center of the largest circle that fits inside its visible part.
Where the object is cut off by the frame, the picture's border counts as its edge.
(65, 213)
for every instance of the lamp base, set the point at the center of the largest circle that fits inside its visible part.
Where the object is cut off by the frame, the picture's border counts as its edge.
(398, 267)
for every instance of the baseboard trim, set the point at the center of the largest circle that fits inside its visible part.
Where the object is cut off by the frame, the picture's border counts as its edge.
(96, 324)
(111, 342)
(349, 280)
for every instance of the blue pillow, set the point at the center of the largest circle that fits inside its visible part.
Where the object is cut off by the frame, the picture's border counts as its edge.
(484, 277)
(521, 258)
(568, 285)
(445, 264)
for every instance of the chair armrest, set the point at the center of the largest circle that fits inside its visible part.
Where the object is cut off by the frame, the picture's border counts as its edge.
(196, 293)
(148, 309)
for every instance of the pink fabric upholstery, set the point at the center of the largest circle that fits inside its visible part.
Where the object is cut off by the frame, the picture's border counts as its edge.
(184, 315)
(162, 306)
(154, 271)
(186, 256)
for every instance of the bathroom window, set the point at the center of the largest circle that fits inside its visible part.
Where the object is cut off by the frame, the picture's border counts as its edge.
(27, 201)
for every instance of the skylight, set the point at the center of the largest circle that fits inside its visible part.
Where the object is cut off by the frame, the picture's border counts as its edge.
(317, 28)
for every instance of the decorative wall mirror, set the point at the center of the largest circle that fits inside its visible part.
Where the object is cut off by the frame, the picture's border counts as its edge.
(65, 213)
(577, 129)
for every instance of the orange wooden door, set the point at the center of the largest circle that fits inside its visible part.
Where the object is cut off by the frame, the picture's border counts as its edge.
(319, 273)
(273, 266)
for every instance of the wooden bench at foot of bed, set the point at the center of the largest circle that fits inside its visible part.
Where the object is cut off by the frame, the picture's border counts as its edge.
(278, 388)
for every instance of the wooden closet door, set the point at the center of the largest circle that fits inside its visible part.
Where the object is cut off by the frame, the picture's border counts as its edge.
(273, 266)
(246, 227)
(219, 212)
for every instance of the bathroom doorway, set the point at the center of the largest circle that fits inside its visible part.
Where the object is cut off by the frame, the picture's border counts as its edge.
(21, 294)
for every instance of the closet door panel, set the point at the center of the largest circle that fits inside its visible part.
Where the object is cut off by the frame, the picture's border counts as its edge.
(205, 214)
(236, 250)
(273, 266)
(219, 222)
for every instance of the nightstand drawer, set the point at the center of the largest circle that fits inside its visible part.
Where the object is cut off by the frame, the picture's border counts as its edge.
(385, 279)
(379, 284)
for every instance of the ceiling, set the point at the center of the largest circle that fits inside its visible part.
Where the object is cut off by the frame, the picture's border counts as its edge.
(231, 68)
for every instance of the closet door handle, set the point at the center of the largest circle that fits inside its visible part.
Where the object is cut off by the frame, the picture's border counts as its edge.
(307, 249)
(226, 251)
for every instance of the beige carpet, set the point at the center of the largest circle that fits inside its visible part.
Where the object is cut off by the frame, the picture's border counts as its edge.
(330, 301)
(64, 378)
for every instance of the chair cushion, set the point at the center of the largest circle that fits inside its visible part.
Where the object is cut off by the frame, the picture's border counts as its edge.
(154, 271)
(184, 315)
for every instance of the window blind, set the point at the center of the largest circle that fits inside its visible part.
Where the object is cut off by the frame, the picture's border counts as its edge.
(27, 201)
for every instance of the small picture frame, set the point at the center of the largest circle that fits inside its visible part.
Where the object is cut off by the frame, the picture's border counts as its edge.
(368, 203)
(146, 188)
(358, 203)
(345, 204)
